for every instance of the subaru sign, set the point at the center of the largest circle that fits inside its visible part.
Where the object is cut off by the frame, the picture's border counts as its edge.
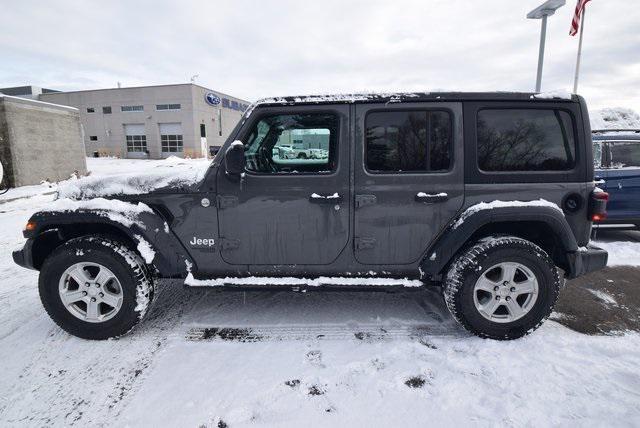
(212, 99)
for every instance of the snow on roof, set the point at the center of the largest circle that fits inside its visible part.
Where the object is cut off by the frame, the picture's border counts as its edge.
(614, 118)
(558, 94)
(392, 97)
(42, 103)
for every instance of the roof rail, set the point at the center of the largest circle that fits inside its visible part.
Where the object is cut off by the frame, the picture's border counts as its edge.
(594, 131)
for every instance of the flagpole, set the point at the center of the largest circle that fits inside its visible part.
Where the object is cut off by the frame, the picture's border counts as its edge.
(575, 80)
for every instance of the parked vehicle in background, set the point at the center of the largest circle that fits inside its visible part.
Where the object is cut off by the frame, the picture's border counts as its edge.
(496, 212)
(617, 163)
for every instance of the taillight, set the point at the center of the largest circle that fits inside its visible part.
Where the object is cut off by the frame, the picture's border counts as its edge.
(598, 205)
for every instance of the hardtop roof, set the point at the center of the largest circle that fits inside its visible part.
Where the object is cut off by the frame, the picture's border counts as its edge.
(399, 97)
(615, 134)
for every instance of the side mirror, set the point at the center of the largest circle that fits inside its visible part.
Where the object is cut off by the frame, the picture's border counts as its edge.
(234, 158)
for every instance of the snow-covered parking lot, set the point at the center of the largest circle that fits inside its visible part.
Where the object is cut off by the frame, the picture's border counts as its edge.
(206, 358)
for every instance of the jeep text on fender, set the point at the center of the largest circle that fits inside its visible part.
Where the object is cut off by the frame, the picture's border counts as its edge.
(488, 195)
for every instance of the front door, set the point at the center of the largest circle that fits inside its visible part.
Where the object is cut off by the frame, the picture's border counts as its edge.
(292, 205)
(409, 178)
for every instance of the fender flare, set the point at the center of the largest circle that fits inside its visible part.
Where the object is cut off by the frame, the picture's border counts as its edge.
(150, 228)
(442, 251)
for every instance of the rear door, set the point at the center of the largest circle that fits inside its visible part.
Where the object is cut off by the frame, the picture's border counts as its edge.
(623, 180)
(409, 178)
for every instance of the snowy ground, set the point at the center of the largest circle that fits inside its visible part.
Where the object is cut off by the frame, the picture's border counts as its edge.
(284, 359)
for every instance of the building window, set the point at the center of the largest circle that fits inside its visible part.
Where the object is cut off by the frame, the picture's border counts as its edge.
(93, 138)
(225, 102)
(91, 110)
(136, 143)
(525, 140)
(171, 137)
(203, 130)
(168, 106)
(106, 110)
(220, 123)
(408, 141)
(234, 105)
(131, 108)
(171, 143)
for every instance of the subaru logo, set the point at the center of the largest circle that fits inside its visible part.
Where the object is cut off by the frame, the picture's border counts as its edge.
(212, 99)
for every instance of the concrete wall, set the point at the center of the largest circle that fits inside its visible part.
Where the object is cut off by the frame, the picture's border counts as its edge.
(110, 128)
(39, 141)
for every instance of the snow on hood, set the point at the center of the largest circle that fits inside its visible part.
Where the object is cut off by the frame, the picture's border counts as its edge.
(121, 212)
(172, 172)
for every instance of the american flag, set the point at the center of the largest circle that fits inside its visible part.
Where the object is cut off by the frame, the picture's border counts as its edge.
(575, 23)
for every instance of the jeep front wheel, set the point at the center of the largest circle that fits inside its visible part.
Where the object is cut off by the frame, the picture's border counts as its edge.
(502, 287)
(95, 288)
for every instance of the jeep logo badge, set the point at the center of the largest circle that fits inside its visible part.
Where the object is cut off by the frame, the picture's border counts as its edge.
(202, 242)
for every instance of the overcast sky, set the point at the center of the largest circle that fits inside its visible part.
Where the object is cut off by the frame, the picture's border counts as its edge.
(253, 49)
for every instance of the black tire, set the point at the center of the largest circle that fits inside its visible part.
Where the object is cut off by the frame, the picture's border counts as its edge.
(123, 262)
(302, 156)
(473, 262)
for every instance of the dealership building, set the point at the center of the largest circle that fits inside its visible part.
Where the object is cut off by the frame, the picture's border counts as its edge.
(152, 122)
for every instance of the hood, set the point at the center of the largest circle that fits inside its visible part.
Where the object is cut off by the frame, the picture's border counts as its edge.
(172, 175)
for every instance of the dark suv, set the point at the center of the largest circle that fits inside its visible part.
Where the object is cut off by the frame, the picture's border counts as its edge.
(617, 162)
(488, 195)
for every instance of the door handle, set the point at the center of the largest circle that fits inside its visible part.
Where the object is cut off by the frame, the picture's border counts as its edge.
(334, 198)
(431, 198)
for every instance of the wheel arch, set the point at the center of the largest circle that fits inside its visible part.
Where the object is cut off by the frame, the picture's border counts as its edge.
(544, 226)
(53, 230)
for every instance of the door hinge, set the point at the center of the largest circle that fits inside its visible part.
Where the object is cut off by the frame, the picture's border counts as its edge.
(364, 200)
(227, 201)
(364, 243)
(229, 244)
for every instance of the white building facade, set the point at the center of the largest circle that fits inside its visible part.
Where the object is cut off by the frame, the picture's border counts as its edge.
(153, 122)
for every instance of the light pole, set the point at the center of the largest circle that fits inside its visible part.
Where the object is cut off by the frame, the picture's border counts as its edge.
(543, 11)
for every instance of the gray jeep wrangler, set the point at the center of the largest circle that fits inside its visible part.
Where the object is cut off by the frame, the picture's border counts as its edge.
(490, 196)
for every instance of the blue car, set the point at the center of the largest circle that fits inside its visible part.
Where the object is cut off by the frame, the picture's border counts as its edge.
(616, 156)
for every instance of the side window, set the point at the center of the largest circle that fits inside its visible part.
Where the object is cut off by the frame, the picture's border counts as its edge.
(408, 141)
(293, 144)
(625, 154)
(598, 154)
(525, 140)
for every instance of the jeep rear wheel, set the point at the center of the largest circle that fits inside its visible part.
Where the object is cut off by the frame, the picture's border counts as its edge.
(95, 288)
(502, 287)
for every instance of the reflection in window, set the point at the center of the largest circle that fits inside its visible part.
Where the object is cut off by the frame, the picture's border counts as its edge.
(525, 140)
(293, 143)
(408, 141)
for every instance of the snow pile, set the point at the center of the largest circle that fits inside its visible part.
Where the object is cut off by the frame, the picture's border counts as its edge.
(171, 172)
(621, 253)
(558, 94)
(502, 204)
(323, 280)
(614, 118)
(121, 212)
